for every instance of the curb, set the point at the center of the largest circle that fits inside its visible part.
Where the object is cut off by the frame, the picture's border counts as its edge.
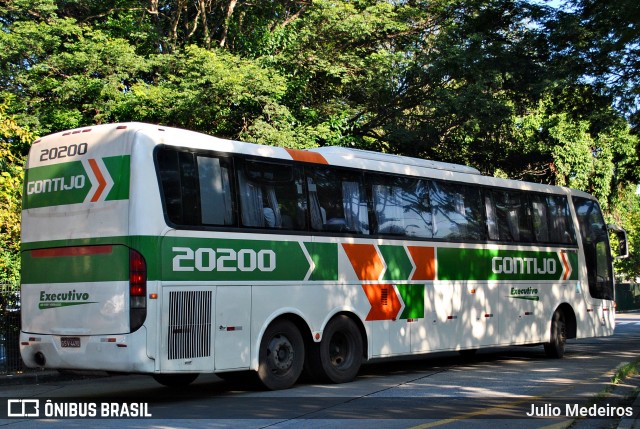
(631, 422)
(48, 376)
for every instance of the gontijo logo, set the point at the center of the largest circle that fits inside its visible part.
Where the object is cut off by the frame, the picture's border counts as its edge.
(75, 182)
(516, 265)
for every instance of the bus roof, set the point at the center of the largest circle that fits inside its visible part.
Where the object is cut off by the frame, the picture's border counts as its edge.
(332, 155)
(349, 153)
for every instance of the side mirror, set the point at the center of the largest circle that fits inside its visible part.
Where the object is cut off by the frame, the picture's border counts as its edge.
(623, 243)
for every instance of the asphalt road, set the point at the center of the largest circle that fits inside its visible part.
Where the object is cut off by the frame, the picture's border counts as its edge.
(498, 388)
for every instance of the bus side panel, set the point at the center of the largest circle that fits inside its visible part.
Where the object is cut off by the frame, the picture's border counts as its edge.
(232, 342)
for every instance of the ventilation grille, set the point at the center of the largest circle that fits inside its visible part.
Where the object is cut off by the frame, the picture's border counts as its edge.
(189, 324)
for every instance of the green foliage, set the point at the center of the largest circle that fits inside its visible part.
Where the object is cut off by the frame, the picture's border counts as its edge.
(625, 212)
(13, 139)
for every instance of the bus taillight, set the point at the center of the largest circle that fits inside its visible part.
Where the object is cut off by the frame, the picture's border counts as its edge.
(137, 290)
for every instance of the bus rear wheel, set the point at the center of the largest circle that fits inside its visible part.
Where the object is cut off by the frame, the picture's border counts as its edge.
(281, 356)
(339, 355)
(555, 347)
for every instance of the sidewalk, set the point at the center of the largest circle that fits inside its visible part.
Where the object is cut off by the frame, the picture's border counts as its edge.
(623, 394)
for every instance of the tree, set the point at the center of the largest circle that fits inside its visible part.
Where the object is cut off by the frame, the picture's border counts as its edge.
(13, 142)
(599, 42)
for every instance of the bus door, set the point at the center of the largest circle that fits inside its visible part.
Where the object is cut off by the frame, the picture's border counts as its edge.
(598, 261)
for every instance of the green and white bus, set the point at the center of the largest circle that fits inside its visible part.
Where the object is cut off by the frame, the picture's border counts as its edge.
(149, 249)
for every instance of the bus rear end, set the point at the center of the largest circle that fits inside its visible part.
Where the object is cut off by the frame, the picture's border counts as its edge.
(83, 282)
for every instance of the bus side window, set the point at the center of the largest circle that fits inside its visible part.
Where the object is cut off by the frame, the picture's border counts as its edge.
(456, 211)
(540, 218)
(561, 228)
(492, 219)
(337, 201)
(513, 215)
(400, 206)
(179, 182)
(271, 195)
(551, 219)
(216, 202)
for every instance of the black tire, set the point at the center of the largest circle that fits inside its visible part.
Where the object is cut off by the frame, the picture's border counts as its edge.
(339, 355)
(175, 380)
(555, 347)
(281, 355)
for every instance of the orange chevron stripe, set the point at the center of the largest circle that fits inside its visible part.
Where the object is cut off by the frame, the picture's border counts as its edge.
(101, 182)
(424, 259)
(306, 156)
(385, 304)
(365, 260)
(567, 266)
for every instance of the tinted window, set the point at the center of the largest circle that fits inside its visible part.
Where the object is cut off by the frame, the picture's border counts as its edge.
(456, 211)
(595, 244)
(560, 223)
(337, 201)
(179, 179)
(552, 220)
(216, 196)
(509, 216)
(401, 206)
(271, 195)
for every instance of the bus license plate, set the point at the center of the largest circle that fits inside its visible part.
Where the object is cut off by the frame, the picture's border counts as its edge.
(70, 341)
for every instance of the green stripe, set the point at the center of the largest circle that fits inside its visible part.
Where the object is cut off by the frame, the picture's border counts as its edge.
(120, 170)
(493, 264)
(399, 266)
(413, 297)
(325, 259)
(291, 261)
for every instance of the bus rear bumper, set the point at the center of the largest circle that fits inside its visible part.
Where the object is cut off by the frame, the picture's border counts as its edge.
(119, 353)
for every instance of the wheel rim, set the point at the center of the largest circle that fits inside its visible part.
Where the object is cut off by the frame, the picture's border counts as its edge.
(339, 350)
(280, 354)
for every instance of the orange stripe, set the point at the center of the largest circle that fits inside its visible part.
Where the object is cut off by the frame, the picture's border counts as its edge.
(306, 156)
(567, 266)
(72, 251)
(101, 182)
(365, 260)
(424, 259)
(385, 304)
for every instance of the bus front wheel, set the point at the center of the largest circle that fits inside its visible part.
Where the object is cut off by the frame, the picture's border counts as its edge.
(281, 356)
(339, 355)
(555, 347)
